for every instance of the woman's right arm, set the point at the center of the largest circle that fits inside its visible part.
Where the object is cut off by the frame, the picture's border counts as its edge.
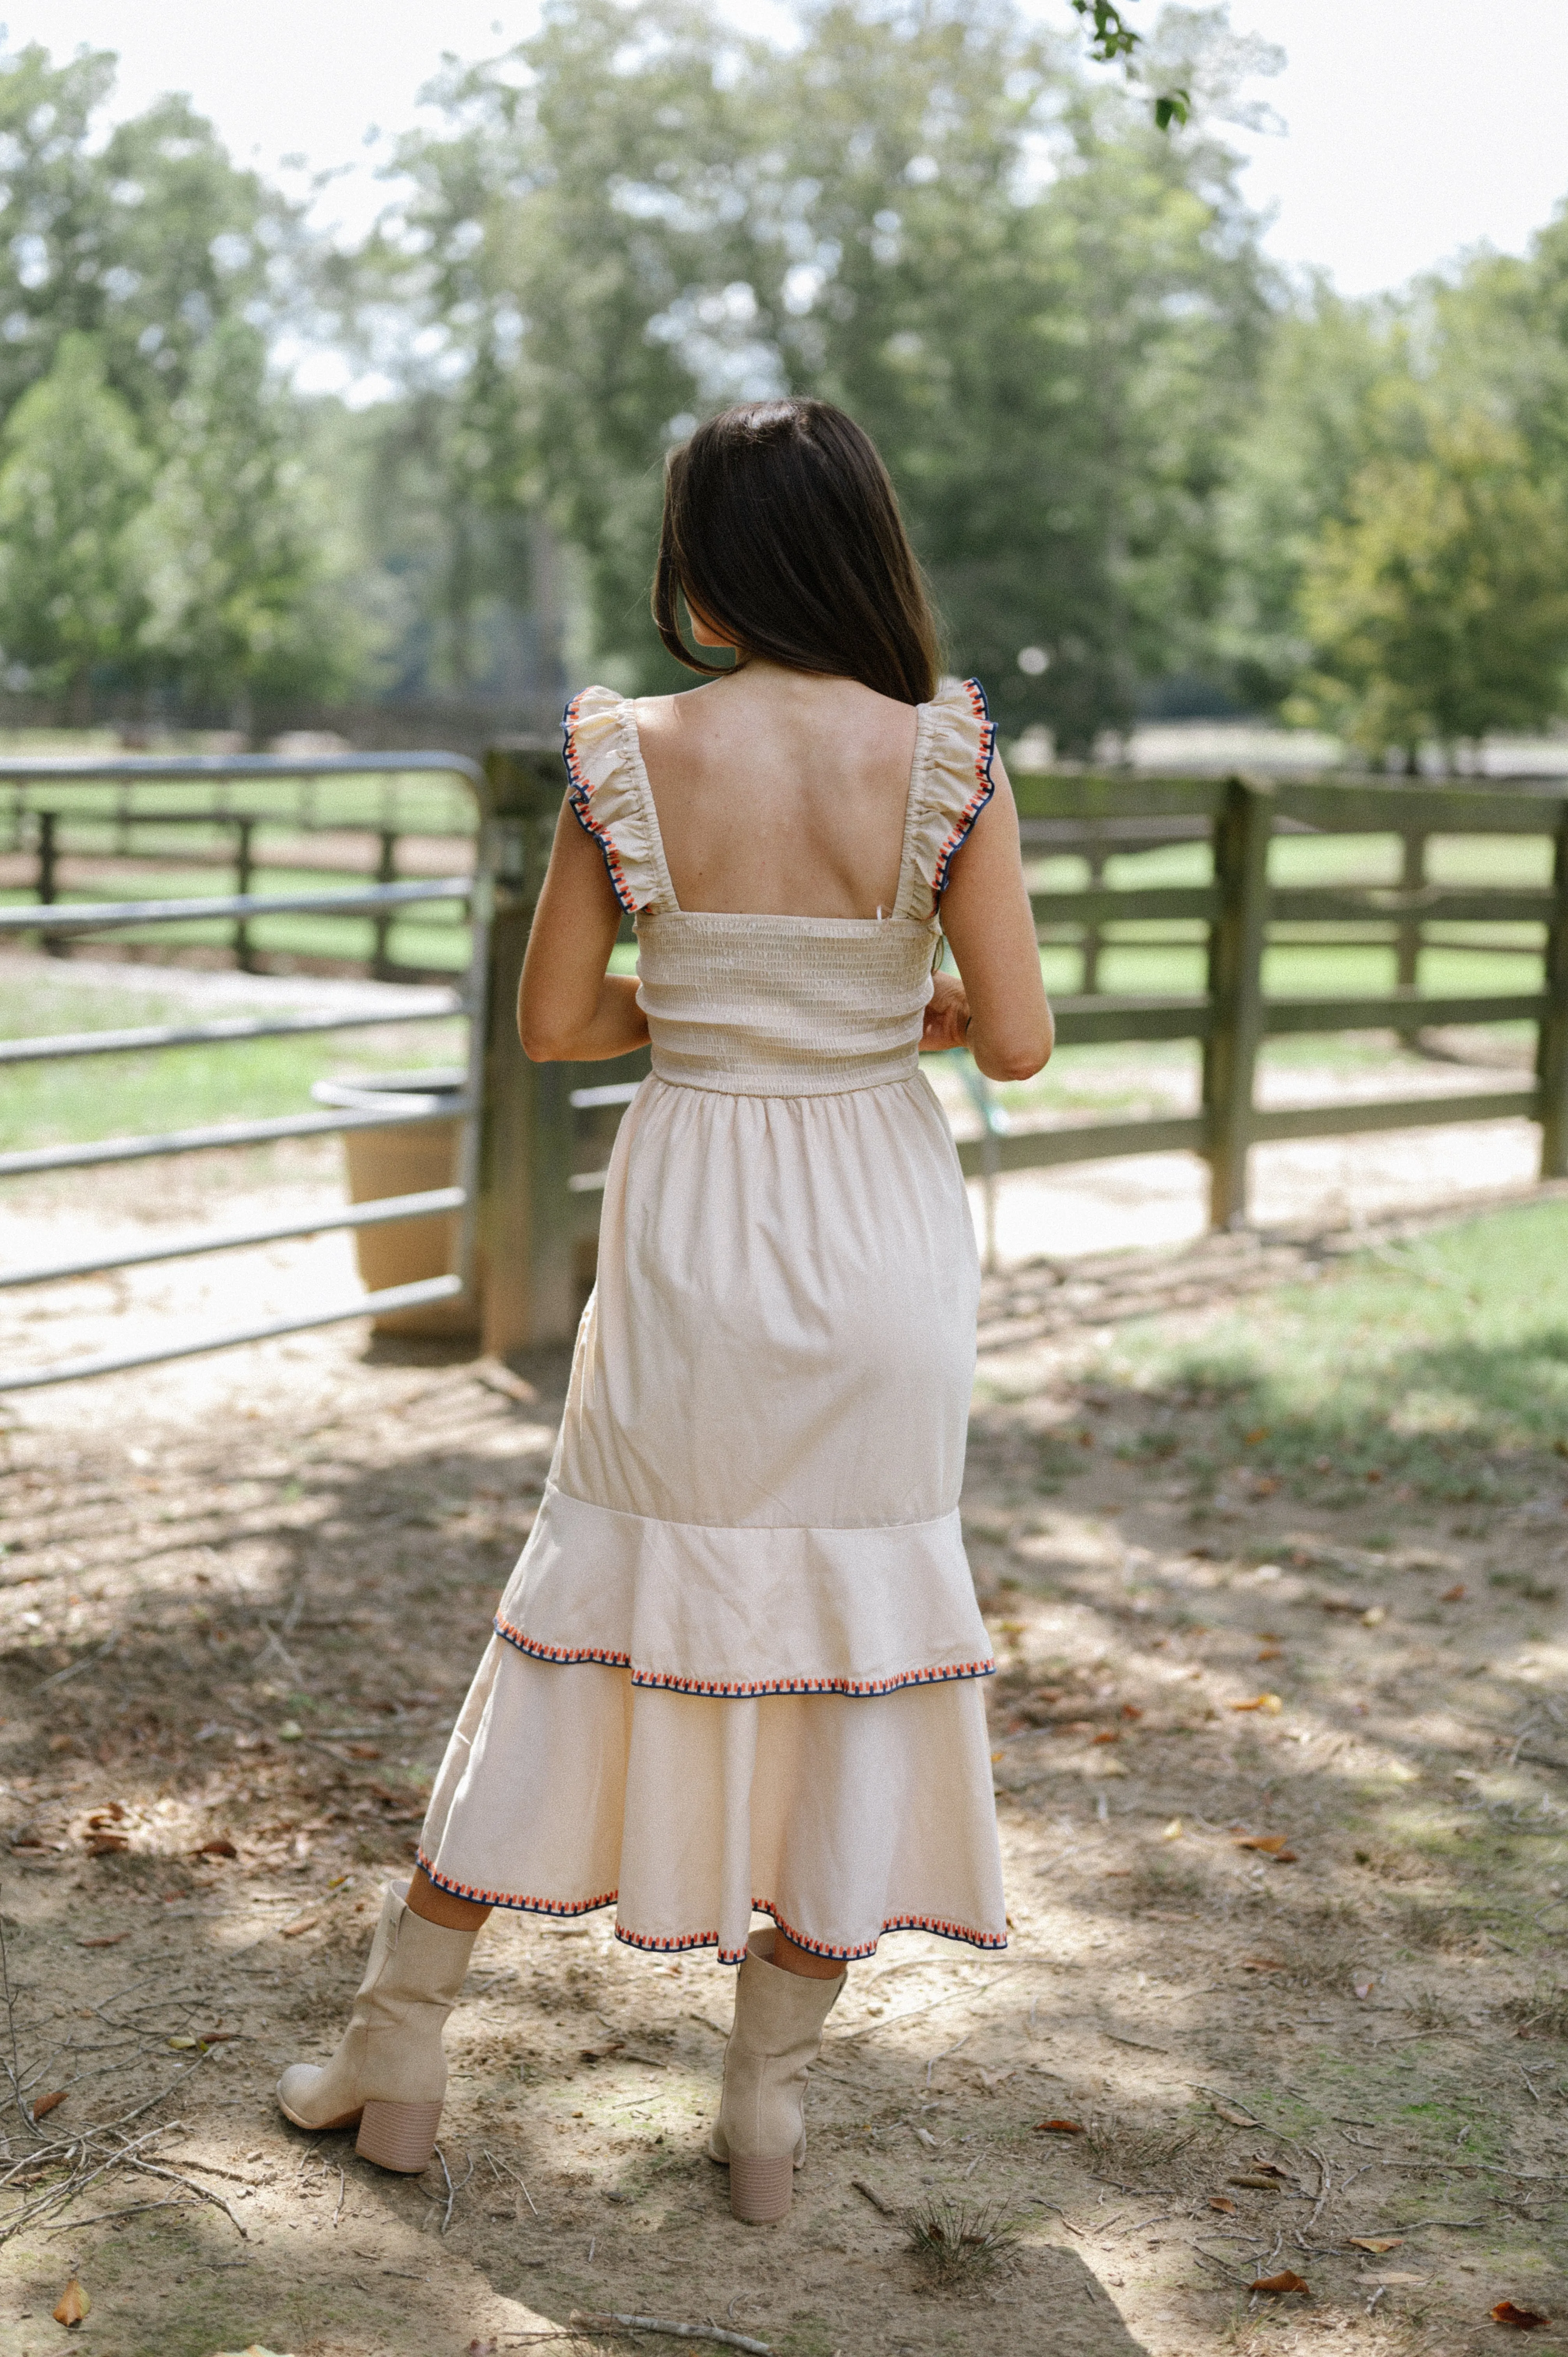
(986, 917)
(569, 1008)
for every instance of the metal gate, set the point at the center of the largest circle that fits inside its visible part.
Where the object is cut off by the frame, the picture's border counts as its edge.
(56, 921)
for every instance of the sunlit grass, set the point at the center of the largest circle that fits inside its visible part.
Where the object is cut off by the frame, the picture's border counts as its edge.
(1442, 1363)
(90, 1096)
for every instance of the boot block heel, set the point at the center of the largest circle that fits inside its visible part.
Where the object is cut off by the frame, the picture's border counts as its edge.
(760, 2191)
(401, 2137)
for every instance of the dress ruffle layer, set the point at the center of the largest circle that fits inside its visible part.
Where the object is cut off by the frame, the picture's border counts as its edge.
(758, 1611)
(841, 1820)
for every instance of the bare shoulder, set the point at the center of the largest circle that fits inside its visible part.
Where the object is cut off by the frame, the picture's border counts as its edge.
(665, 718)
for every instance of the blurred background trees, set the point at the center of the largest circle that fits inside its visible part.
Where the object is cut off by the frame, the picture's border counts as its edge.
(1145, 474)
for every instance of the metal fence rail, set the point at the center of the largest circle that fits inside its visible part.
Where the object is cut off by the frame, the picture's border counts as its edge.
(54, 921)
(38, 829)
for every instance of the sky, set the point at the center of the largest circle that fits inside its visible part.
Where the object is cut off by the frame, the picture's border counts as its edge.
(1412, 129)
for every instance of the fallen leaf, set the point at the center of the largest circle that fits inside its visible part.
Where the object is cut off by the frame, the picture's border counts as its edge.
(1257, 2182)
(1285, 2281)
(73, 2304)
(106, 1845)
(1108, 1734)
(1131, 1710)
(1222, 2201)
(1259, 1432)
(364, 1750)
(1237, 2120)
(1454, 1595)
(104, 1940)
(1374, 2241)
(1363, 1985)
(182, 2042)
(291, 1731)
(1058, 2127)
(1171, 1832)
(305, 1923)
(1273, 1846)
(1374, 1616)
(1262, 1964)
(47, 2103)
(1524, 2319)
(218, 1846)
(1269, 1702)
(1271, 1653)
(1395, 2276)
(217, 2037)
(110, 1813)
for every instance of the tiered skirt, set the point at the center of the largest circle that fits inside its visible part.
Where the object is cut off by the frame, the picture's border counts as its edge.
(738, 1664)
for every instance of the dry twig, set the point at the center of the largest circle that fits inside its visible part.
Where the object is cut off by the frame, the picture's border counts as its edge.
(596, 2323)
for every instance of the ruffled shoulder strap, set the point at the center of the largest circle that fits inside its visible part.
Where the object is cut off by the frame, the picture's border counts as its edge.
(609, 795)
(950, 784)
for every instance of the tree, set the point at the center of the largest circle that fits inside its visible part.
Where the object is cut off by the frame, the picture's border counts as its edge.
(143, 235)
(73, 479)
(232, 544)
(1047, 313)
(1439, 606)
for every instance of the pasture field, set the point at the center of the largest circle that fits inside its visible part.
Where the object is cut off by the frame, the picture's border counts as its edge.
(119, 1095)
(1271, 1538)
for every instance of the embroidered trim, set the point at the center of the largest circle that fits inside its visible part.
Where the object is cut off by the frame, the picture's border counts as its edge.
(737, 1689)
(503, 1899)
(673, 1943)
(941, 1924)
(580, 795)
(985, 786)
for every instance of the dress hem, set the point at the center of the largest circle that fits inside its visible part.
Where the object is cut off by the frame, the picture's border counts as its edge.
(738, 1689)
(679, 1942)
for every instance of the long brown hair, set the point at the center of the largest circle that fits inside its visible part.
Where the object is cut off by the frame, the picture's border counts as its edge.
(782, 526)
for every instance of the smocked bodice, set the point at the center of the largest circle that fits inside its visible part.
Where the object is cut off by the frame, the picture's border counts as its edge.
(782, 1006)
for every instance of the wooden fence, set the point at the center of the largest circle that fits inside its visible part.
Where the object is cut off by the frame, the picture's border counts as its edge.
(40, 836)
(549, 1127)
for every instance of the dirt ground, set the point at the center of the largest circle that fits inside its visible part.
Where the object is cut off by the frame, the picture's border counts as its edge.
(1284, 1822)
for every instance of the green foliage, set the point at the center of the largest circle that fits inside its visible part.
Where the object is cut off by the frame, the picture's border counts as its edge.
(73, 477)
(145, 238)
(227, 544)
(1438, 606)
(1047, 314)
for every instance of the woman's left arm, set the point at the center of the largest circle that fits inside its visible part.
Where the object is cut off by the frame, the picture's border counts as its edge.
(569, 1008)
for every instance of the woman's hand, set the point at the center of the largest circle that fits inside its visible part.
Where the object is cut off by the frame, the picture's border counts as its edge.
(947, 1014)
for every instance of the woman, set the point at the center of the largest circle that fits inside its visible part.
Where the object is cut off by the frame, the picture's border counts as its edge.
(735, 1667)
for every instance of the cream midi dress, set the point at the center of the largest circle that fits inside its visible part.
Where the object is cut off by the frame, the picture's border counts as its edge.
(736, 1665)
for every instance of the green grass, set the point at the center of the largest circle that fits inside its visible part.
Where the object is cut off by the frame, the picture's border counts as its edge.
(88, 1097)
(1441, 1363)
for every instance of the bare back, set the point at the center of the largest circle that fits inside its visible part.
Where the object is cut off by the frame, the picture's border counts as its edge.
(780, 792)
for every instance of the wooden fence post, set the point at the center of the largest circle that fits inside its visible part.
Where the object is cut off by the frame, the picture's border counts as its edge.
(527, 1284)
(244, 876)
(1407, 940)
(1242, 829)
(1551, 1055)
(48, 869)
(386, 873)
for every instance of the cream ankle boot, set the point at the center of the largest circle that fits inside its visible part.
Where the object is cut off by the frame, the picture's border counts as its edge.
(389, 2071)
(778, 2033)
